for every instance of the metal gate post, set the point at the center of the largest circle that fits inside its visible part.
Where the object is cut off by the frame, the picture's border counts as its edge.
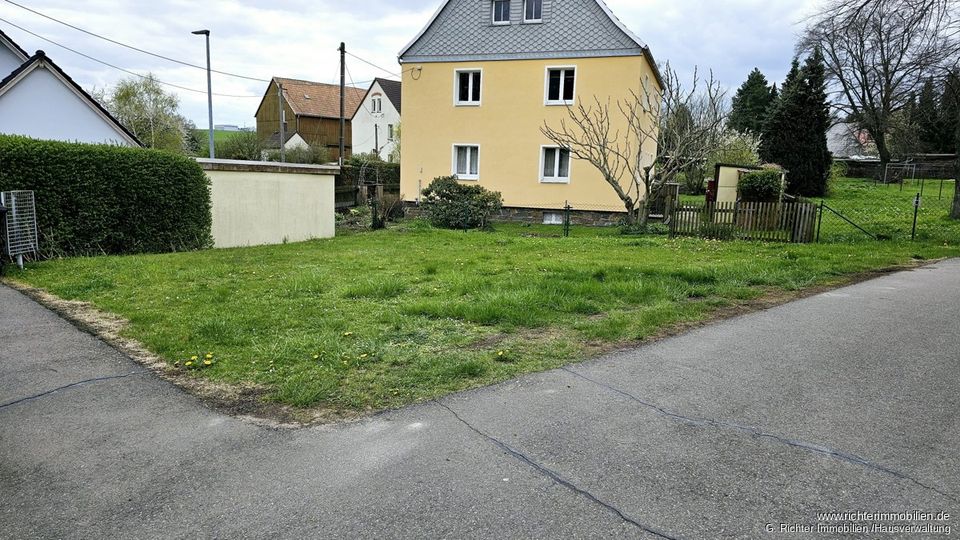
(820, 221)
(916, 212)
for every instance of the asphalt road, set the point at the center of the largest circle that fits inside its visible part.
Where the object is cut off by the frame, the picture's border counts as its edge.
(846, 401)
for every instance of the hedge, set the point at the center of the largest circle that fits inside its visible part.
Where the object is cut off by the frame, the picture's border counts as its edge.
(762, 186)
(100, 199)
(381, 172)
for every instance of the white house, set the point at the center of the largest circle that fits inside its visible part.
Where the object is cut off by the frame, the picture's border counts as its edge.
(39, 100)
(377, 119)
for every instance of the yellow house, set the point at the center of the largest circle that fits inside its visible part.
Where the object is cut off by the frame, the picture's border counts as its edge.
(482, 78)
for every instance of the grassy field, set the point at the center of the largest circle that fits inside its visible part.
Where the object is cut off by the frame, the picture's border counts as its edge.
(375, 320)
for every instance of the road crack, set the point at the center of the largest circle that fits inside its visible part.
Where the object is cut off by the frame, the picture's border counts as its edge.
(555, 476)
(68, 386)
(761, 434)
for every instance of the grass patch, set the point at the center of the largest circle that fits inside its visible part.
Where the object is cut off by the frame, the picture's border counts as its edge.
(376, 320)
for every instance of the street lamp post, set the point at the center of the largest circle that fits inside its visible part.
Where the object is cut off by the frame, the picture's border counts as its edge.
(206, 33)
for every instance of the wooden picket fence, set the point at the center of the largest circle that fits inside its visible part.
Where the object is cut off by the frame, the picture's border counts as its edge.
(794, 222)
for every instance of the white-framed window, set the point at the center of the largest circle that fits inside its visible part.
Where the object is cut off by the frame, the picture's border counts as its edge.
(466, 161)
(554, 165)
(501, 11)
(376, 105)
(532, 11)
(390, 133)
(561, 85)
(553, 218)
(468, 87)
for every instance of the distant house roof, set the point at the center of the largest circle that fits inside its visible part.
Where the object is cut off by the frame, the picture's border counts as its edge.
(41, 60)
(392, 89)
(461, 30)
(320, 100)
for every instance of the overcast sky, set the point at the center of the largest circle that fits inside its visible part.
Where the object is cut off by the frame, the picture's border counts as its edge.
(299, 38)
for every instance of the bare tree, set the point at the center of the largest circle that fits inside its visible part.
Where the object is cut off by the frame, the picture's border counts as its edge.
(880, 52)
(640, 143)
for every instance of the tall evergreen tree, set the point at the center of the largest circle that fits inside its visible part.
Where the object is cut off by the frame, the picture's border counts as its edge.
(750, 105)
(795, 133)
(776, 126)
(949, 114)
(926, 117)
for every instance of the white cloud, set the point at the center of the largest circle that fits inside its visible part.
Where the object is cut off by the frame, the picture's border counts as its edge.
(299, 38)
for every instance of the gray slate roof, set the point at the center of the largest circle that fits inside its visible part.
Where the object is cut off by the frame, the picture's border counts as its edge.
(463, 30)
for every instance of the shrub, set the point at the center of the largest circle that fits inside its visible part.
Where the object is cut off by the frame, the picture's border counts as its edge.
(761, 186)
(311, 155)
(99, 199)
(243, 146)
(449, 204)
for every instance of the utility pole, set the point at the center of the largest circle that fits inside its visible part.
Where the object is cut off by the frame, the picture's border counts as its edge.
(343, 104)
(283, 127)
(206, 33)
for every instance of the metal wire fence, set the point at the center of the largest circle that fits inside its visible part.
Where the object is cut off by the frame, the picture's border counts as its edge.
(916, 209)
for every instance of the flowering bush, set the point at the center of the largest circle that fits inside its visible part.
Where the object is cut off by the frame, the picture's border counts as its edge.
(449, 204)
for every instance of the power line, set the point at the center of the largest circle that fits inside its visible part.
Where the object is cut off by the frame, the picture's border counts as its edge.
(131, 47)
(369, 63)
(108, 64)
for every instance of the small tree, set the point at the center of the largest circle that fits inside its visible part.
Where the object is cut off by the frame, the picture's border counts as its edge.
(751, 104)
(153, 115)
(641, 142)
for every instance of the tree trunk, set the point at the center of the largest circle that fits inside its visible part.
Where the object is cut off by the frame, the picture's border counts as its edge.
(644, 215)
(881, 141)
(631, 216)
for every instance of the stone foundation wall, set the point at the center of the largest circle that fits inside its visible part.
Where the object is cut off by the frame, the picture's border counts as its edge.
(535, 216)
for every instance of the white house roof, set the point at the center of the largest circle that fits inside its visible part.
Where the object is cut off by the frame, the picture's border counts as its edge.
(41, 61)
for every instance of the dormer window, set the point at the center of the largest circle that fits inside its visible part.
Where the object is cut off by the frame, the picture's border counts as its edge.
(532, 11)
(501, 11)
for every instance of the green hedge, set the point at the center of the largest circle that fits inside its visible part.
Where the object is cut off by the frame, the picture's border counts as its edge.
(99, 199)
(761, 186)
(387, 173)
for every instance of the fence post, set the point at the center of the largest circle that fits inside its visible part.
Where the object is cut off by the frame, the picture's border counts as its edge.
(820, 221)
(916, 212)
(566, 220)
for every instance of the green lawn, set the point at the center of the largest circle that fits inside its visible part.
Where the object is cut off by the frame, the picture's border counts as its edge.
(375, 320)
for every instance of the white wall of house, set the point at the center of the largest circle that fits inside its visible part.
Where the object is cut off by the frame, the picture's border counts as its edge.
(9, 61)
(44, 107)
(373, 128)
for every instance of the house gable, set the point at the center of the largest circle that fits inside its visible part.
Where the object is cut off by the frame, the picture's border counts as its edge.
(39, 100)
(11, 55)
(463, 30)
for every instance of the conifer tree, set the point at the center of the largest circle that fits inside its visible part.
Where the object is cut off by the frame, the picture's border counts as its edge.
(795, 133)
(750, 105)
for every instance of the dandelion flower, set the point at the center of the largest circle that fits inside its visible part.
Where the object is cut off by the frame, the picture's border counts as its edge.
(194, 358)
(207, 362)
(316, 357)
(188, 364)
(209, 356)
(347, 334)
